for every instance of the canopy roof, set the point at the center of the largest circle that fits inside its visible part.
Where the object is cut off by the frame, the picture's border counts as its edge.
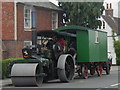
(73, 29)
(53, 33)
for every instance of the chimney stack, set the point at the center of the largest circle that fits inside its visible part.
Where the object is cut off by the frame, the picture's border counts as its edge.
(109, 10)
(110, 6)
(107, 6)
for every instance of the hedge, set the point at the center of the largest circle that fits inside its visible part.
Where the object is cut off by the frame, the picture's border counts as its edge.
(117, 51)
(5, 69)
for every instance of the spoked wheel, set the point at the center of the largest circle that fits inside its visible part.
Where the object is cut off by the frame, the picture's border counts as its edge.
(107, 68)
(99, 70)
(66, 68)
(85, 72)
(92, 71)
(79, 71)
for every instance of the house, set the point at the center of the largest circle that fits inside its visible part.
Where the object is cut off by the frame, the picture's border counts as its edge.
(110, 24)
(19, 19)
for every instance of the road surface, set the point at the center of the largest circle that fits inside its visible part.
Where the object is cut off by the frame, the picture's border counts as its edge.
(106, 81)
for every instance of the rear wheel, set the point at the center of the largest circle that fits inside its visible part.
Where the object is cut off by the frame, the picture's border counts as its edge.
(85, 72)
(107, 68)
(99, 70)
(79, 71)
(65, 68)
(92, 71)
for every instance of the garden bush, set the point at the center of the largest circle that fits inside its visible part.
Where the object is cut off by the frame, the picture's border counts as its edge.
(5, 69)
(117, 51)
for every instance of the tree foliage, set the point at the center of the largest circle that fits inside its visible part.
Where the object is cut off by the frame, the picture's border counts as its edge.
(117, 47)
(82, 13)
(117, 51)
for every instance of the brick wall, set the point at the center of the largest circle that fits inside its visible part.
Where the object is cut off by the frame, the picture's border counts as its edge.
(44, 19)
(7, 20)
(60, 17)
(0, 31)
(12, 49)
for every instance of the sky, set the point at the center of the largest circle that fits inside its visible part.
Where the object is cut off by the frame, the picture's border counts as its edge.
(54, 1)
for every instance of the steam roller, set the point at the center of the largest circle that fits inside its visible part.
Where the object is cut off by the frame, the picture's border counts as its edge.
(30, 73)
(47, 59)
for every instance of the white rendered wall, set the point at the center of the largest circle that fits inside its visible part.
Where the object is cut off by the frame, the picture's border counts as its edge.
(110, 41)
(119, 37)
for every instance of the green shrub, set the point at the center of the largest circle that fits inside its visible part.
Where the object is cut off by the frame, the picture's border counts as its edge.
(5, 66)
(117, 51)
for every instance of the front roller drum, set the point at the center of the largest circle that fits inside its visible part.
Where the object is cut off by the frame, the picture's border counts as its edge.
(66, 68)
(26, 75)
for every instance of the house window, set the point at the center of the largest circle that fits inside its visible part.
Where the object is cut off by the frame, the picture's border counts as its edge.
(96, 37)
(103, 25)
(33, 19)
(54, 20)
(99, 27)
(27, 43)
(27, 17)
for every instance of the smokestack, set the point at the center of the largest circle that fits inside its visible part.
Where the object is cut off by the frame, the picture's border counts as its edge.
(34, 37)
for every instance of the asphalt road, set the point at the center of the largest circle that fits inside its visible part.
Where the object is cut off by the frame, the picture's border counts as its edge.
(106, 81)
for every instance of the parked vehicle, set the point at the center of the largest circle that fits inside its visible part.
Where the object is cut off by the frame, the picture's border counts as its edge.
(85, 49)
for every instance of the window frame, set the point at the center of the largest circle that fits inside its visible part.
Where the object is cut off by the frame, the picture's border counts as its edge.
(56, 24)
(103, 24)
(96, 37)
(27, 41)
(29, 27)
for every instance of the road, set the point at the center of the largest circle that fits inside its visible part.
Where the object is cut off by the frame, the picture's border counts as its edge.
(106, 81)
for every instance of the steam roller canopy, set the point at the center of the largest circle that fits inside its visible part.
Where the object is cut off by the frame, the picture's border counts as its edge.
(26, 75)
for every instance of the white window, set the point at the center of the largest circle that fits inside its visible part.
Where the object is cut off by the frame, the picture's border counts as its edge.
(54, 20)
(96, 37)
(27, 43)
(103, 25)
(27, 17)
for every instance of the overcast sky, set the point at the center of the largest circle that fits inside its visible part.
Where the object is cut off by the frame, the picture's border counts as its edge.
(54, 1)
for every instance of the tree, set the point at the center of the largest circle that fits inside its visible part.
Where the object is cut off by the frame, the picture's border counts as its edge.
(117, 47)
(117, 51)
(82, 13)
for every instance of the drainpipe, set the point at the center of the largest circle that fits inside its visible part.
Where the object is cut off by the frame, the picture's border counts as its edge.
(15, 20)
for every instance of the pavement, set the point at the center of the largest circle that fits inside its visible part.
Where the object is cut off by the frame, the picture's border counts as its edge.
(8, 82)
